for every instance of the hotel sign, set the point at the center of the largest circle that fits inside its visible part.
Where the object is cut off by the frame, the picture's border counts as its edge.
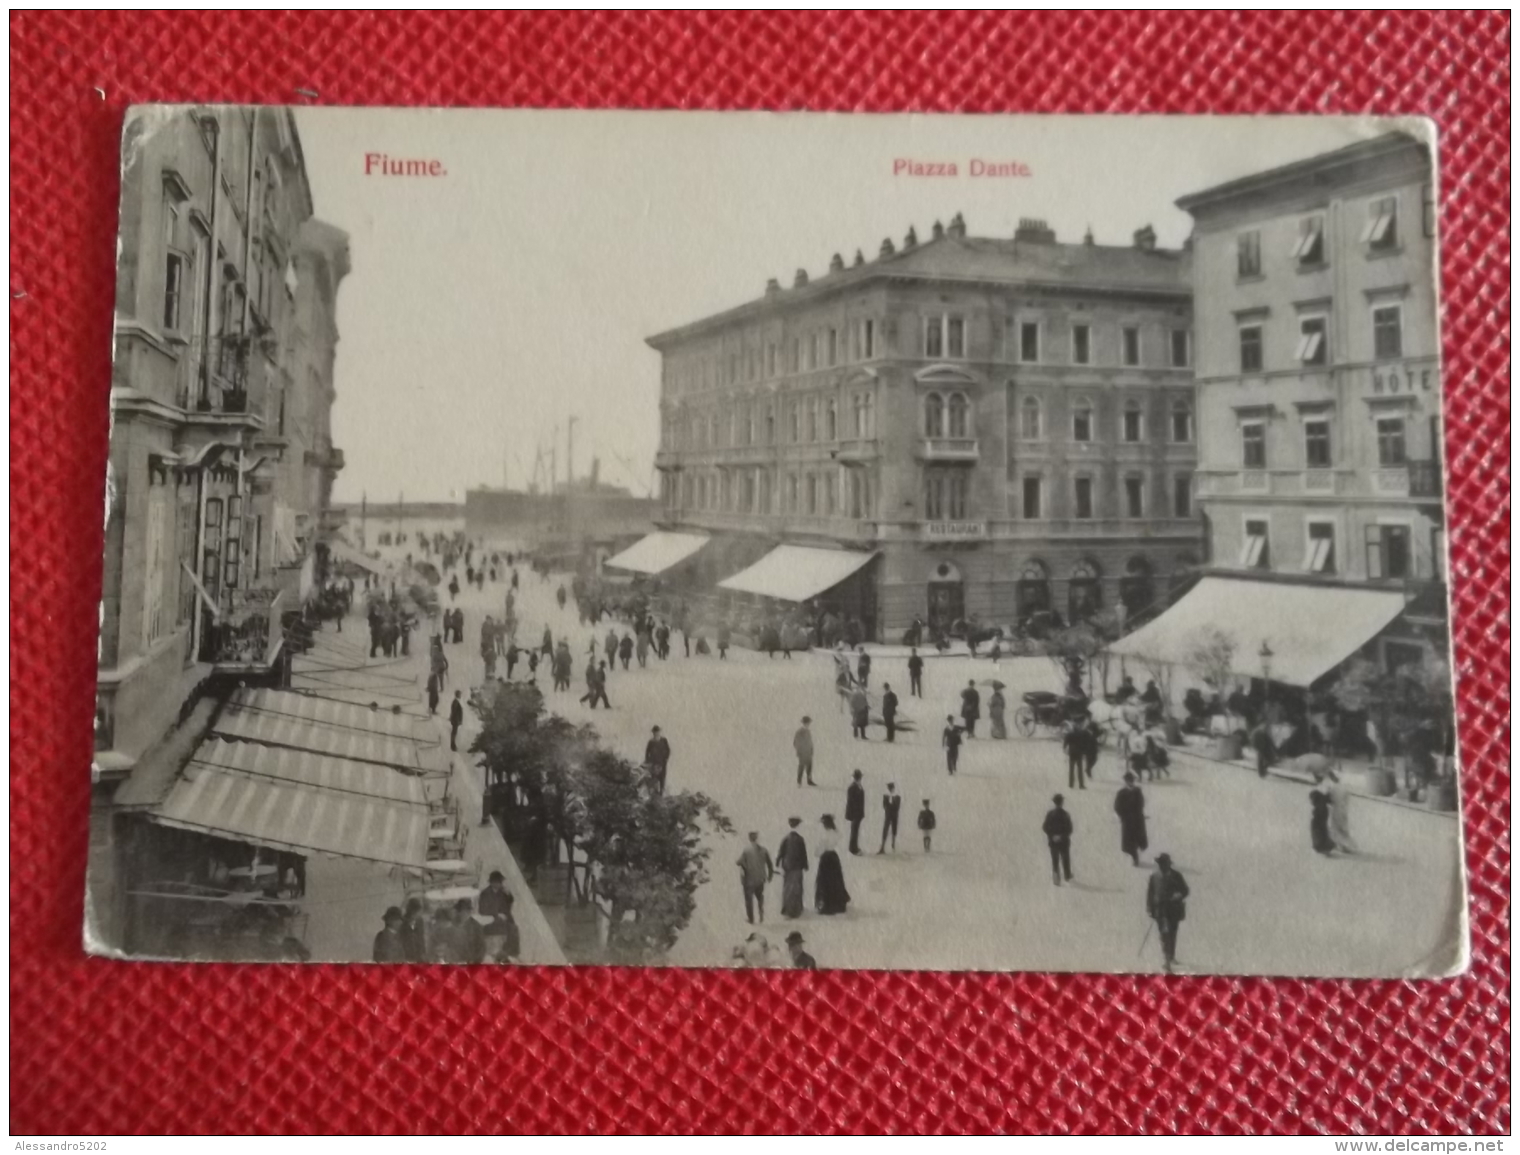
(955, 530)
(1404, 379)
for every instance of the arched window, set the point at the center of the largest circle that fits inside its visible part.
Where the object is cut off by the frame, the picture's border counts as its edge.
(934, 415)
(1082, 420)
(1033, 590)
(960, 411)
(1134, 422)
(1182, 422)
(1137, 590)
(1029, 419)
(1085, 596)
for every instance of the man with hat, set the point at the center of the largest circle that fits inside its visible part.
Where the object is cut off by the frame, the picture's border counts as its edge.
(801, 960)
(792, 858)
(755, 870)
(1166, 895)
(802, 742)
(495, 903)
(657, 758)
(855, 811)
(1058, 831)
(388, 946)
(470, 938)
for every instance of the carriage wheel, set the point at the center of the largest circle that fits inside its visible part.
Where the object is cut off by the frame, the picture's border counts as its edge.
(1023, 721)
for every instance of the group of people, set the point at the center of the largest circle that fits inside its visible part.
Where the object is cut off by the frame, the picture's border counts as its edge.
(457, 932)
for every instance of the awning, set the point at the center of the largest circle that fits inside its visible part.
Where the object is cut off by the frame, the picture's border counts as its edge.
(266, 812)
(795, 573)
(342, 551)
(305, 768)
(657, 552)
(1310, 629)
(328, 726)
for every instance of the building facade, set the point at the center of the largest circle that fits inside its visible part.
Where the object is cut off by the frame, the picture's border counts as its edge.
(1004, 426)
(220, 457)
(1319, 384)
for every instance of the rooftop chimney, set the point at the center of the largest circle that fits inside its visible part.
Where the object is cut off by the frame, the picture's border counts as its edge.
(911, 239)
(886, 247)
(772, 286)
(836, 263)
(938, 230)
(859, 258)
(1145, 239)
(800, 279)
(1034, 231)
(957, 227)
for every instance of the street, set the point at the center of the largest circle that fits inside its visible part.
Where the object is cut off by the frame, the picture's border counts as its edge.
(984, 899)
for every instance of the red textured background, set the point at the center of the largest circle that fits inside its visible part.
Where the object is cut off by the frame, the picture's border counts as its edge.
(101, 1046)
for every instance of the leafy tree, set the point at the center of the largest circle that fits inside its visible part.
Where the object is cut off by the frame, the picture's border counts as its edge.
(1211, 654)
(1400, 701)
(1080, 650)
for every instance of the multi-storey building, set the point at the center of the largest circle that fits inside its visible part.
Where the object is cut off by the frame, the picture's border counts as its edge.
(963, 427)
(220, 459)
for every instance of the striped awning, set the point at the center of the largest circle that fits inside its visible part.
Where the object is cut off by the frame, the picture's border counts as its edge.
(657, 552)
(306, 768)
(328, 726)
(340, 550)
(305, 819)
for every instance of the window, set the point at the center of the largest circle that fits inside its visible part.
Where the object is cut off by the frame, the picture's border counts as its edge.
(1248, 254)
(1029, 341)
(1180, 348)
(174, 285)
(1134, 496)
(1082, 421)
(712, 426)
(1029, 419)
(1390, 441)
(934, 338)
(1253, 445)
(833, 346)
(1388, 551)
(812, 418)
(1254, 550)
(1182, 495)
(211, 555)
(794, 415)
(955, 337)
(792, 492)
(945, 336)
(831, 493)
(1134, 422)
(1182, 422)
(945, 492)
(1081, 344)
(156, 554)
(1309, 249)
(770, 359)
(1084, 495)
(749, 425)
(1312, 340)
(1381, 232)
(865, 416)
(770, 425)
(812, 351)
(1320, 557)
(1131, 339)
(185, 533)
(1250, 348)
(1387, 332)
(831, 421)
(1032, 498)
(1317, 444)
(812, 493)
(934, 415)
(960, 412)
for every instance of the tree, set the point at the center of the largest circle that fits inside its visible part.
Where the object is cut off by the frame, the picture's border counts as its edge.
(1077, 651)
(1399, 701)
(1210, 654)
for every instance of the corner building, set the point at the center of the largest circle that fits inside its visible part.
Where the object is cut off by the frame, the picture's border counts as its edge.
(990, 427)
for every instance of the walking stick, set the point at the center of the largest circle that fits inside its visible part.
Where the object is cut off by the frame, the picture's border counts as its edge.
(1148, 925)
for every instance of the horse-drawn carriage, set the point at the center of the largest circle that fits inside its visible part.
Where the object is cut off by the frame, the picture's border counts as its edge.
(1042, 708)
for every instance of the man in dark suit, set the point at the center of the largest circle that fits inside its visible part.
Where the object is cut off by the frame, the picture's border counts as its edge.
(971, 708)
(456, 719)
(891, 807)
(915, 674)
(889, 710)
(792, 861)
(657, 758)
(388, 944)
(855, 811)
(1058, 830)
(801, 960)
(1166, 902)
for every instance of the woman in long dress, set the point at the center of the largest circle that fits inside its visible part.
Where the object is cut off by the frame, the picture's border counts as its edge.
(830, 895)
(1340, 813)
(997, 705)
(1319, 821)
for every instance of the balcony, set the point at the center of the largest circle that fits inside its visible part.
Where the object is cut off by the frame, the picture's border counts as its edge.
(1425, 479)
(667, 461)
(1421, 479)
(854, 450)
(325, 456)
(949, 449)
(249, 635)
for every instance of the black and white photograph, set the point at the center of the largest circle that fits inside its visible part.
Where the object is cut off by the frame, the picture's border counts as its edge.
(797, 541)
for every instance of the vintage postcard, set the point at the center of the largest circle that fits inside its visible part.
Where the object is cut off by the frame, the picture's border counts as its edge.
(950, 542)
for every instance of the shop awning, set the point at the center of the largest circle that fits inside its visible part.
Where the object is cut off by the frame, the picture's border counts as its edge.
(1310, 629)
(305, 768)
(340, 550)
(658, 552)
(795, 573)
(327, 726)
(304, 819)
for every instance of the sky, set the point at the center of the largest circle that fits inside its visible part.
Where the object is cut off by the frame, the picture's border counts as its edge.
(491, 303)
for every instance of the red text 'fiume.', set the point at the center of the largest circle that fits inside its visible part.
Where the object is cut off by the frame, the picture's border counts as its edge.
(383, 164)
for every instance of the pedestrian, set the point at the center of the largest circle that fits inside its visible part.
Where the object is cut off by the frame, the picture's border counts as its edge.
(1261, 742)
(801, 960)
(891, 807)
(388, 945)
(863, 668)
(996, 705)
(456, 719)
(1319, 822)
(495, 903)
(470, 936)
(926, 824)
(1166, 894)
(625, 650)
(548, 646)
(559, 596)
(1129, 805)
(662, 641)
(860, 712)
(1058, 831)
(829, 894)
(657, 758)
(792, 859)
(641, 649)
(1092, 733)
(612, 646)
(512, 653)
(854, 811)
(1074, 742)
(971, 707)
(1340, 814)
(432, 693)
(725, 639)
(915, 674)
(802, 743)
(414, 943)
(533, 666)
(951, 740)
(889, 710)
(599, 691)
(755, 870)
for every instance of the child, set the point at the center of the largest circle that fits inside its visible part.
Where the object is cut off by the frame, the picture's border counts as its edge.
(952, 743)
(926, 824)
(533, 665)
